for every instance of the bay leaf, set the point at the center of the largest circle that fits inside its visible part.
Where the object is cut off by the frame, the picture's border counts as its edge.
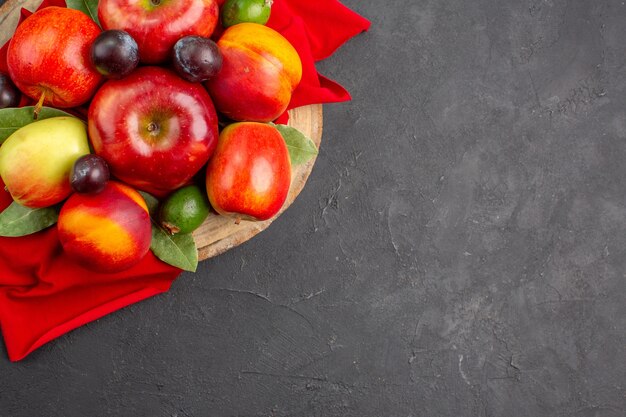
(177, 250)
(17, 220)
(301, 147)
(89, 7)
(14, 118)
(151, 202)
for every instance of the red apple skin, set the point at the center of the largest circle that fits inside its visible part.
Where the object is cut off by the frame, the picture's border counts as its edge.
(156, 25)
(106, 232)
(155, 130)
(249, 175)
(49, 52)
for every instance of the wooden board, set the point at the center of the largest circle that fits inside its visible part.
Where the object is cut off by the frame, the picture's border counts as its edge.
(218, 233)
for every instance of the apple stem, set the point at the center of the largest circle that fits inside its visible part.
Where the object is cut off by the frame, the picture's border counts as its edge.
(237, 220)
(39, 105)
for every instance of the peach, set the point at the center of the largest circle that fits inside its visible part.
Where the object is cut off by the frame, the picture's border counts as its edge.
(106, 232)
(260, 71)
(249, 175)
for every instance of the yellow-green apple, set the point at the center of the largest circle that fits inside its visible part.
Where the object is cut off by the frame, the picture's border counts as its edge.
(249, 175)
(37, 159)
(106, 232)
(155, 130)
(48, 57)
(156, 25)
(260, 70)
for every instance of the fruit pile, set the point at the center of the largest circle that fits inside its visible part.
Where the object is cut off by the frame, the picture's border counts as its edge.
(179, 98)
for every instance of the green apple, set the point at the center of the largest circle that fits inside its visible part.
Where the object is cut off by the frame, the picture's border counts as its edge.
(36, 160)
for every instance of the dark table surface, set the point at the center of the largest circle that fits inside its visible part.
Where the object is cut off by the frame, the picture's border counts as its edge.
(459, 250)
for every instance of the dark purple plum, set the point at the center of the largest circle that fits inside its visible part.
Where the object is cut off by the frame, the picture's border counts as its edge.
(90, 174)
(9, 94)
(196, 58)
(115, 54)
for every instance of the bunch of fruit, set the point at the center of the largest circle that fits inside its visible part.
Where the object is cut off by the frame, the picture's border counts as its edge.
(168, 108)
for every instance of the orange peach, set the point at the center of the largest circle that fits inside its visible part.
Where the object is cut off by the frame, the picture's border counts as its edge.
(260, 71)
(106, 232)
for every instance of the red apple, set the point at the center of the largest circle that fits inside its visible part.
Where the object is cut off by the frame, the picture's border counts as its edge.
(156, 25)
(48, 57)
(249, 175)
(154, 129)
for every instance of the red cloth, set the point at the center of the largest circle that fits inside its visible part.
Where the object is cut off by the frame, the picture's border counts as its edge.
(44, 294)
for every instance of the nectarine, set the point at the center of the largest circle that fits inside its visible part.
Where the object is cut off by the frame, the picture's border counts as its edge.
(260, 71)
(106, 232)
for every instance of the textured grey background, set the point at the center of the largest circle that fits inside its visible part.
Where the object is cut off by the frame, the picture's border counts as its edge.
(459, 250)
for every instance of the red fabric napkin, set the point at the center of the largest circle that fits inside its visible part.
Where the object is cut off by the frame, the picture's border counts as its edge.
(44, 294)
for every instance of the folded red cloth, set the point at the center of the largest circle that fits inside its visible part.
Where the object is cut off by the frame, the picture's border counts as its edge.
(44, 294)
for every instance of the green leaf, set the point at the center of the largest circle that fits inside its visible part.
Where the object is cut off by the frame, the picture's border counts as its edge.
(89, 7)
(17, 220)
(151, 202)
(13, 118)
(301, 148)
(177, 250)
